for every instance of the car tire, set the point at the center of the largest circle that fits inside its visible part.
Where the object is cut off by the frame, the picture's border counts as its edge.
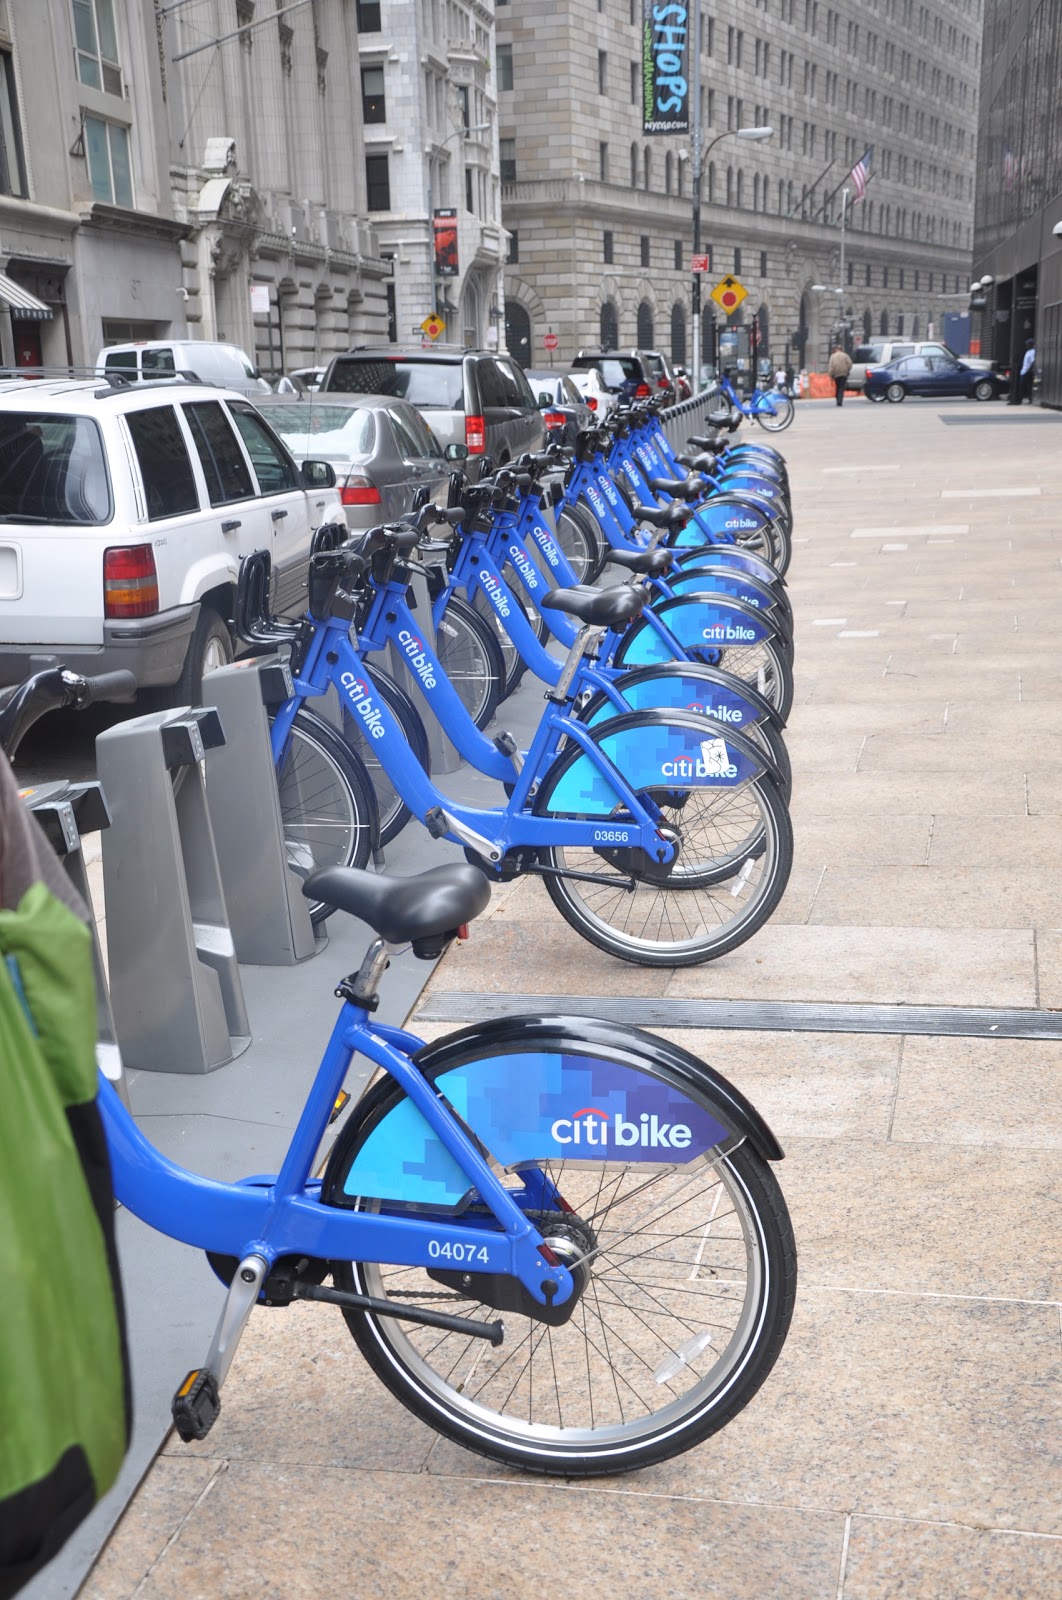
(985, 389)
(875, 395)
(895, 393)
(210, 647)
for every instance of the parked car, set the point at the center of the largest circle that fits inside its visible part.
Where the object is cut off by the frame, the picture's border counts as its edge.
(224, 364)
(564, 411)
(472, 397)
(591, 385)
(304, 380)
(661, 375)
(381, 448)
(931, 376)
(625, 372)
(880, 352)
(124, 515)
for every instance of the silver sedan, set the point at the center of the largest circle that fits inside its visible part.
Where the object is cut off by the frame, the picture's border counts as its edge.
(382, 450)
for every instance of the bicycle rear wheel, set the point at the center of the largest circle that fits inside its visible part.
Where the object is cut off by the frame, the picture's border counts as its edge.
(328, 808)
(471, 658)
(784, 412)
(579, 536)
(686, 1268)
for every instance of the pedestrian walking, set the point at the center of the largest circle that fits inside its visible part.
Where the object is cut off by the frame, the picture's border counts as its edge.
(790, 376)
(1028, 372)
(780, 383)
(840, 365)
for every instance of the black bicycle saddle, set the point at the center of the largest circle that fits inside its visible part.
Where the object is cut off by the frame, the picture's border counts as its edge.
(404, 910)
(654, 563)
(600, 608)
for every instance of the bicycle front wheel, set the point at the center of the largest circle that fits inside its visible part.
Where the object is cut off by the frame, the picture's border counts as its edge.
(328, 809)
(471, 658)
(579, 536)
(686, 1269)
(784, 412)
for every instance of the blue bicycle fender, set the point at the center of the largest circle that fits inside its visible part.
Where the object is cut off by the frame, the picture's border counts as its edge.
(697, 622)
(653, 750)
(682, 687)
(723, 519)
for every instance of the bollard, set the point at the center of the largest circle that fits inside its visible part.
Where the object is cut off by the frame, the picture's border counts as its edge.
(66, 812)
(175, 983)
(268, 914)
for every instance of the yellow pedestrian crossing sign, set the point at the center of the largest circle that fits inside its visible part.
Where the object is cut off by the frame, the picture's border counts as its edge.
(728, 294)
(432, 326)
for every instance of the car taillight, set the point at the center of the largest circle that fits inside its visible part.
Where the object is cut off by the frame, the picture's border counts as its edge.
(553, 419)
(642, 391)
(130, 581)
(475, 435)
(662, 383)
(358, 491)
(591, 402)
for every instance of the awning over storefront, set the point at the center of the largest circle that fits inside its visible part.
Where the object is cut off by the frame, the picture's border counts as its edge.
(21, 303)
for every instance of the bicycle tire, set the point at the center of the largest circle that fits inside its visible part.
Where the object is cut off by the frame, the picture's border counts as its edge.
(735, 857)
(784, 413)
(579, 536)
(470, 657)
(328, 807)
(393, 811)
(655, 1357)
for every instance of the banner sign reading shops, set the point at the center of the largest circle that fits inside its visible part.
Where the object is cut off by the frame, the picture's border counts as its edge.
(665, 51)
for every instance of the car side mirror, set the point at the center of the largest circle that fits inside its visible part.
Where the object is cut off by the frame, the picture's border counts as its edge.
(544, 399)
(318, 475)
(456, 452)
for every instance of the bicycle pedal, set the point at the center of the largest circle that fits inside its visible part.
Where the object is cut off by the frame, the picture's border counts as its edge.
(196, 1406)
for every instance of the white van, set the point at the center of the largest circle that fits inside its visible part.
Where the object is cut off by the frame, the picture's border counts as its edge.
(225, 365)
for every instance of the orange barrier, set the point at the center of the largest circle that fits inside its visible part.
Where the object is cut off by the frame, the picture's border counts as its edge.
(820, 386)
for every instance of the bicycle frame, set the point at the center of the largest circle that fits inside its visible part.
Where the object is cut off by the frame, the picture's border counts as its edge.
(282, 1215)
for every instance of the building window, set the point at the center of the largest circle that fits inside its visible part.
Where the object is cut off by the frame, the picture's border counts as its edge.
(514, 248)
(636, 83)
(645, 249)
(469, 197)
(901, 277)
(12, 164)
(378, 183)
(634, 166)
(368, 16)
(373, 104)
(884, 277)
(507, 160)
(868, 275)
(505, 66)
(678, 255)
(464, 105)
(607, 247)
(96, 45)
(602, 72)
(107, 151)
(851, 272)
(645, 326)
(602, 160)
(763, 263)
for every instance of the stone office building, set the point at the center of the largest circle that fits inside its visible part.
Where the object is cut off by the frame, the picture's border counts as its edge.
(600, 214)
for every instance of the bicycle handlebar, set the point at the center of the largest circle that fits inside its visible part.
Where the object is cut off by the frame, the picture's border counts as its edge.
(54, 690)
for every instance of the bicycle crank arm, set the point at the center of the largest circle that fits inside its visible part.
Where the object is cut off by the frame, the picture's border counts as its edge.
(439, 823)
(494, 1331)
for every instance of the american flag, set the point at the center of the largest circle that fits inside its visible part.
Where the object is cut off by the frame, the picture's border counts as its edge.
(860, 173)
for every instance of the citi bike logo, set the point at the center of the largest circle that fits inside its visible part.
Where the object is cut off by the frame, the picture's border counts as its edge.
(714, 762)
(524, 565)
(611, 494)
(548, 548)
(595, 498)
(592, 1127)
(360, 698)
(729, 633)
(494, 590)
(740, 522)
(720, 713)
(413, 649)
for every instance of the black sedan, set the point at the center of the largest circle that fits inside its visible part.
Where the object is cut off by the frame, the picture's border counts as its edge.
(931, 376)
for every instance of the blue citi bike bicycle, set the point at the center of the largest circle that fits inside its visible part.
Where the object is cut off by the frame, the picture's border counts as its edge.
(557, 1241)
(771, 409)
(661, 836)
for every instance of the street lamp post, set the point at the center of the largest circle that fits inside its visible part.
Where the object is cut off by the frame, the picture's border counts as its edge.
(698, 161)
(433, 154)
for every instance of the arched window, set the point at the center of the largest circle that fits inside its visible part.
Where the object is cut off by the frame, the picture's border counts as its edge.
(609, 328)
(764, 194)
(914, 327)
(645, 325)
(789, 197)
(756, 192)
(634, 166)
(868, 325)
(518, 332)
(899, 324)
(740, 188)
(668, 164)
(883, 325)
(781, 198)
(711, 182)
(678, 333)
(647, 162)
(730, 186)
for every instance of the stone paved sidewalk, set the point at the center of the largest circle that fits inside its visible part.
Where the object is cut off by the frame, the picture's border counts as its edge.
(907, 1443)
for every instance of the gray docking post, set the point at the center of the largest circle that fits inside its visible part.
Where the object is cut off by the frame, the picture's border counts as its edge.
(268, 913)
(175, 983)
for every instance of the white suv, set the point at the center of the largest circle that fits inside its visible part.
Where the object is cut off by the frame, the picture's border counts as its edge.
(124, 515)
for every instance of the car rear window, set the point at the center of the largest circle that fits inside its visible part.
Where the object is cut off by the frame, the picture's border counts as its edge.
(434, 385)
(618, 370)
(340, 430)
(52, 470)
(866, 353)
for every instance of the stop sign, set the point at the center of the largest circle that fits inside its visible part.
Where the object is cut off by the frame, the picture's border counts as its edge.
(551, 341)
